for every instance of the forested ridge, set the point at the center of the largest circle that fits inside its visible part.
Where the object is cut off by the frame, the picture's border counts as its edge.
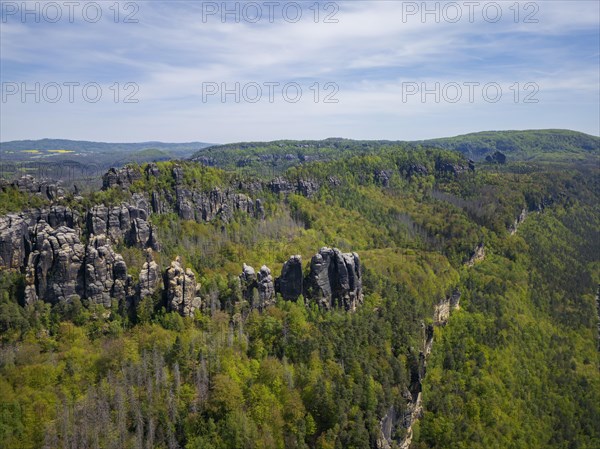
(515, 366)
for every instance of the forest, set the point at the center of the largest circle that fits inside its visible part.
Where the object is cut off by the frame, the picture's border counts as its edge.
(514, 365)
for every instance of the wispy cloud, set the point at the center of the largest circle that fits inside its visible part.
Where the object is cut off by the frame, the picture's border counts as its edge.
(369, 53)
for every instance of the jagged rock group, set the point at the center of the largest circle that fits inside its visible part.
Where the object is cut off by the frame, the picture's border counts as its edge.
(301, 186)
(125, 223)
(45, 188)
(54, 266)
(334, 281)
(123, 177)
(261, 283)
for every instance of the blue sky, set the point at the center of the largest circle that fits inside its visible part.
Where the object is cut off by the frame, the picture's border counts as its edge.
(371, 58)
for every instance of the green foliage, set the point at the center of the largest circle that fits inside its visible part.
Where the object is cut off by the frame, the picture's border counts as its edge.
(515, 367)
(13, 200)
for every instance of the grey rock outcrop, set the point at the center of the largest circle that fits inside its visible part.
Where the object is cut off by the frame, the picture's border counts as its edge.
(454, 169)
(150, 277)
(15, 240)
(152, 170)
(262, 282)
(182, 289)
(105, 276)
(477, 255)
(125, 223)
(496, 158)
(520, 219)
(54, 268)
(248, 282)
(123, 177)
(416, 170)
(60, 268)
(266, 287)
(301, 186)
(47, 189)
(290, 283)
(216, 203)
(335, 279)
(382, 177)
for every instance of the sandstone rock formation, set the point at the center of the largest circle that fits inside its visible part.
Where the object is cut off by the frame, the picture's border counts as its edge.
(125, 223)
(206, 206)
(105, 276)
(261, 282)
(54, 268)
(266, 287)
(335, 279)
(248, 282)
(150, 277)
(123, 177)
(47, 189)
(15, 242)
(301, 186)
(182, 289)
(13, 235)
(290, 283)
(454, 169)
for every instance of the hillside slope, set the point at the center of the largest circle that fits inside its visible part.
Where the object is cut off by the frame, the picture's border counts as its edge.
(189, 306)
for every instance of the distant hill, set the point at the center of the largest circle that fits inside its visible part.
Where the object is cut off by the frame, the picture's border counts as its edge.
(539, 145)
(527, 145)
(84, 159)
(104, 147)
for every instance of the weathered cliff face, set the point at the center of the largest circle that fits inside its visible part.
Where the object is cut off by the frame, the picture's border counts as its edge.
(206, 206)
(14, 229)
(454, 169)
(285, 186)
(125, 223)
(150, 277)
(477, 256)
(248, 282)
(520, 219)
(413, 408)
(54, 267)
(183, 294)
(290, 283)
(15, 242)
(60, 268)
(45, 188)
(266, 287)
(335, 279)
(123, 177)
(105, 273)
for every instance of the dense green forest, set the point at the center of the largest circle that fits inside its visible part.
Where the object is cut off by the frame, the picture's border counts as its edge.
(515, 366)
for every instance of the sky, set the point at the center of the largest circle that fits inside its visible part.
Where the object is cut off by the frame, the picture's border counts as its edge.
(218, 72)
